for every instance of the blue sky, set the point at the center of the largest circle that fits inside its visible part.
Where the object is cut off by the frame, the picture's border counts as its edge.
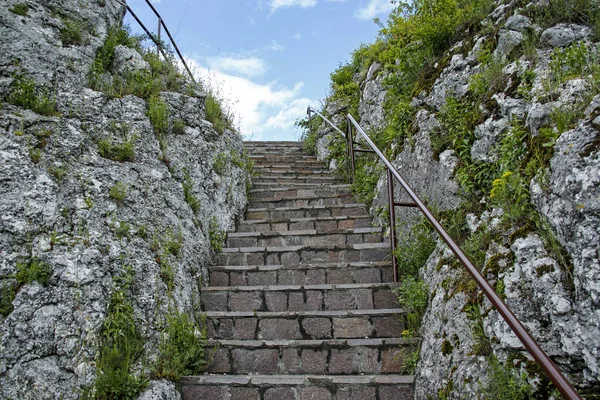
(268, 58)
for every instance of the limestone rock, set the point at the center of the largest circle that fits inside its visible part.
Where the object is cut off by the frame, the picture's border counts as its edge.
(563, 35)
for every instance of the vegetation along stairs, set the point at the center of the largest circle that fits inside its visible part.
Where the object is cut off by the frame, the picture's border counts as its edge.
(301, 303)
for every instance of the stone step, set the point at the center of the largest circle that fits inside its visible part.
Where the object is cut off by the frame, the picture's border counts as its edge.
(303, 274)
(302, 387)
(276, 298)
(281, 156)
(288, 255)
(331, 356)
(293, 185)
(286, 173)
(306, 211)
(304, 238)
(288, 162)
(284, 192)
(332, 199)
(288, 168)
(297, 180)
(304, 325)
(320, 224)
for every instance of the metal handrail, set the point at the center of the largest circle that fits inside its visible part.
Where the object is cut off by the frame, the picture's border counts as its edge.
(517, 327)
(156, 40)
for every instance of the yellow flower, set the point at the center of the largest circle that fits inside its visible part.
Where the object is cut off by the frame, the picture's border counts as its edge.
(506, 174)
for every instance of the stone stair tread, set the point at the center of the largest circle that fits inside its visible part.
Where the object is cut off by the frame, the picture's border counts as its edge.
(274, 249)
(297, 380)
(329, 343)
(305, 232)
(364, 264)
(305, 219)
(269, 288)
(284, 188)
(315, 207)
(285, 314)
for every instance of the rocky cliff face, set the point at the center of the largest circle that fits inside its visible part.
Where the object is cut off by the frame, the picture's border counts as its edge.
(93, 190)
(540, 96)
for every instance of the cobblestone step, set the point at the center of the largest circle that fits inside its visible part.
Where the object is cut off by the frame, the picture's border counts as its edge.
(298, 387)
(280, 192)
(304, 237)
(320, 224)
(331, 356)
(287, 255)
(302, 274)
(307, 211)
(305, 325)
(289, 169)
(268, 180)
(277, 298)
(304, 200)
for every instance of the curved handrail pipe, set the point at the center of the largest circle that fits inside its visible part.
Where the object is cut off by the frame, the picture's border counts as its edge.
(509, 317)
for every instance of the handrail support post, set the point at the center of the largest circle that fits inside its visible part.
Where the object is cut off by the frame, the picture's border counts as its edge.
(392, 216)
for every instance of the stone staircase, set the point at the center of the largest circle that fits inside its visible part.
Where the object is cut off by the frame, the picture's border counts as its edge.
(300, 304)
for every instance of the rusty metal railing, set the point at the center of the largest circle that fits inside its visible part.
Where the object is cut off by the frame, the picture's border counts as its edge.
(156, 39)
(517, 327)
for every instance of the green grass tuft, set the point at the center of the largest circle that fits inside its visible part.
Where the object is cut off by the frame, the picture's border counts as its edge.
(21, 9)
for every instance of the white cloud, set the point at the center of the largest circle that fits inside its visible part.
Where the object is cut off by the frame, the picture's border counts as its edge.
(276, 46)
(373, 8)
(265, 111)
(276, 4)
(250, 67)
(298, 36)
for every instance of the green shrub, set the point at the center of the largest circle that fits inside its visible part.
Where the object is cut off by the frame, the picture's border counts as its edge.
(365, 180)
(215, 114)
(172, 243)
(121, 152)
(217, 237)
(188, 192)
(23, 93)
(123, 230)
(178, 127)
(121, 346)
(586, 12)
(414, 248)
(505, 383)
(20, 9)
(72, 32)
(181, 349)
(412, 296)
(118, 192)
(7, 295)
(220, 163)
(59, 172)
(35, 154)
(159, 116)
(482, 345)
(309, 133)
(33, 270)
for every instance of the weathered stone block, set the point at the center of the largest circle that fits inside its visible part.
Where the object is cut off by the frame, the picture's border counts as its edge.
(339, 300)
(339, 275)
(356, 393)
(214, 301)
(292, 277)
(262, 278)
(220, 362)
(204, 392)
(369, 360)
(351, 328)
(260, 361)
(315, 277)
(385, 298)
(391, 326)
(291, 361)
(276, 301)
(242, 393)
(245, 301)
(367, 275)
(244, 328)
(314, 361)
(395, 392)
(280, 393)
(238, 279)
(311, 300)
(341, 361)
(317, 328)
(391, 360)
(315, 393)
(279, 328)
(225, 330)
(219, 279)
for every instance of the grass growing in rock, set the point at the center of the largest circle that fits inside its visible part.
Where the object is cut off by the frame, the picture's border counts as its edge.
(33, 270)
(121, 346)
(71, 33)
(215, 114)
(118, 192)
(216, 236)
(188, 188)
(21, 9)
(24, 93)
(182, 346)
(7, 295)
(122, 152)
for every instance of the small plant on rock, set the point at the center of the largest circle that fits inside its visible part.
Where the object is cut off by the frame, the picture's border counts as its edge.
(121, 152)
(215, 114)
(188, 187)
(33, 270)
(21, 9)
(23, 93)
(178, 127)
(118, 192)
(7, 295)
(71, 32)
(182, 346)
(217, 237)
(159, 115)
(220, 163)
